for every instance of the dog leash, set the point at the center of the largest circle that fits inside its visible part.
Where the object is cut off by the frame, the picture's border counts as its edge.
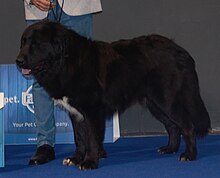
(57, 16)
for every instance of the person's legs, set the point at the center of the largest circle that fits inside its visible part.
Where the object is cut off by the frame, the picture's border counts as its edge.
(44, 116)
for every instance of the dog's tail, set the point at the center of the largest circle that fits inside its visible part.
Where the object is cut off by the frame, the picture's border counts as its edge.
(201, 121)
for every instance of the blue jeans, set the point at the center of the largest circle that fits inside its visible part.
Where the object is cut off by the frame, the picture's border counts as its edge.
(43, 105)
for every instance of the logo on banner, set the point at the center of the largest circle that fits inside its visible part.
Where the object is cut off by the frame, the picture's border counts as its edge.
(27, 99)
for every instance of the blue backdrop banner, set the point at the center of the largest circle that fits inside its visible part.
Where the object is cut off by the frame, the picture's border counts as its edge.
(20, 127)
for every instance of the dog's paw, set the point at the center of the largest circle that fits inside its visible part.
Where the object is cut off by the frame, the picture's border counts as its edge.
(187, 157)
(71, 161)
(88, 165)
(167, 150)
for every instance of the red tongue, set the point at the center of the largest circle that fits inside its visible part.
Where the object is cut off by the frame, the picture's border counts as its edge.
(26, 71)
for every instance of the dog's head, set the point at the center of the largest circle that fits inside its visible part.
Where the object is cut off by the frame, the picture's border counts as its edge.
(41, 47)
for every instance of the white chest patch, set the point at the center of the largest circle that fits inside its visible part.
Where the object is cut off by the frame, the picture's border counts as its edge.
(64, 104)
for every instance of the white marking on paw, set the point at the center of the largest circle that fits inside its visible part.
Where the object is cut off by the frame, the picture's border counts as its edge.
(68, 162)
(64, 104)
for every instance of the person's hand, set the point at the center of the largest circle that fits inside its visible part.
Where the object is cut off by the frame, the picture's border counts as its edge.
(43, 5)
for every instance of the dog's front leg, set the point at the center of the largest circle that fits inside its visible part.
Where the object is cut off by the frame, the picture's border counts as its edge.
(88, 149)
(80, 137)
(91, 159)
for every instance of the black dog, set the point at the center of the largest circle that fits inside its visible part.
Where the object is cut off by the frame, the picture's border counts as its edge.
(93, 79)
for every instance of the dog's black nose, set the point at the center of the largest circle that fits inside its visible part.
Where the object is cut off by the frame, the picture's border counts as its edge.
(20, 61)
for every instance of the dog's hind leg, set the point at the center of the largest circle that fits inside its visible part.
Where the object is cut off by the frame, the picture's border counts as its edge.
(190, 139)
(171, 128)
(174, 139)
(182, 115)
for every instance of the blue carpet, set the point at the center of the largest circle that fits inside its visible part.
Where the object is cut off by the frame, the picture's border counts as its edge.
(127, 158)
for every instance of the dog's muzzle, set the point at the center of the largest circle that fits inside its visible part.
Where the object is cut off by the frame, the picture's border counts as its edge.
(21, 64)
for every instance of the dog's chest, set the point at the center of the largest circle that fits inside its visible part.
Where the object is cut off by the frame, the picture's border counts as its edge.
(65, 105)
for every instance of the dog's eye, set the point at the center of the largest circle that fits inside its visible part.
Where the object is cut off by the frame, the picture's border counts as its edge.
(23, 41)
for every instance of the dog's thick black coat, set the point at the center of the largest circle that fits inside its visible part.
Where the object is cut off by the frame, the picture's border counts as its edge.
(100, 78)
